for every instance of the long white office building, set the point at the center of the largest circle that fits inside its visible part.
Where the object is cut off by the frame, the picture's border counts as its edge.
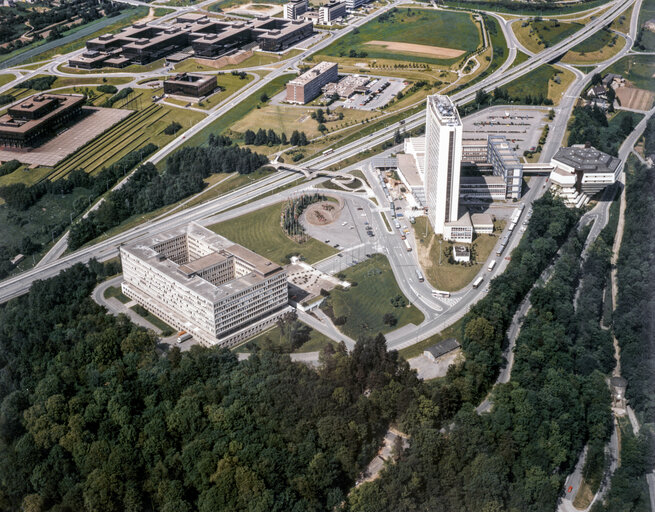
(197, 281)
(443, 158)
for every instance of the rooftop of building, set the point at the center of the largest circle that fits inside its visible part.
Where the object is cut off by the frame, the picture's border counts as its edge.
(407, 166)
(461, 250)
(310, 75)
(463, 222)
(587, 159)
(504, 150)
(443, 347)
(445, 109)
(185, 274)
(481, 180)
(8, 123)
(191, 78)
(482, 219)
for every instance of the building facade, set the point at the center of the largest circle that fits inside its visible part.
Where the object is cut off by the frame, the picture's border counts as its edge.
(331, 11)
(197, 281)
(505, 163)
(293, 10)
(443, 156)
(189, 84)
(307, 86)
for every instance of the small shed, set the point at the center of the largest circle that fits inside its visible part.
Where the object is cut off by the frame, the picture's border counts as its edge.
(440, 349)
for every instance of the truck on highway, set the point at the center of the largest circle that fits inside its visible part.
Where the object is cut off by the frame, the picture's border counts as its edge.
(419, 276)
(407, 246)
(478, 282)
(491, 266)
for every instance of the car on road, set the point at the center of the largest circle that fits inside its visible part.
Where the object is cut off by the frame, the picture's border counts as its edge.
(570, 488)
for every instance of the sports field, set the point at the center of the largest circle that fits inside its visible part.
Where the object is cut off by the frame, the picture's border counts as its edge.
(537, 35)
(414, 35)
(373, 278)
(261, 232)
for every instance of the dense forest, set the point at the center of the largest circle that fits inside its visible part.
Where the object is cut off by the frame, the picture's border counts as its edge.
(589, 124)
(92, 418)
(148, 189)
(516, 457)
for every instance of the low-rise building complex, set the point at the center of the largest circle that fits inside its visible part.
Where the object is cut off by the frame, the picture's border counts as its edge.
(307, 86)
(197, 281)
(189, 84)
(27, 123)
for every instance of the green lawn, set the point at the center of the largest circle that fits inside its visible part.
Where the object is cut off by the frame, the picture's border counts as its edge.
(241, 110)
(316, 342)
(365, 304)
(261, 232)
(639, 69)
(534, 83)
(115, 292)
(646, 38)
(594, 43)
(455, 30)
(520, 58)
(525, 8)
(537, 35)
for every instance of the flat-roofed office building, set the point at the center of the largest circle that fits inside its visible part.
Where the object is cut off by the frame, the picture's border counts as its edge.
(506, 163)
(195, 280)
(331, 11)
(308, 86)
(190, 84)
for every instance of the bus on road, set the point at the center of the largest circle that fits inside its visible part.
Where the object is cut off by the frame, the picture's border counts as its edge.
(419, 276)
(407, 246)
(440, 293)
(478, 282)
(491, 265)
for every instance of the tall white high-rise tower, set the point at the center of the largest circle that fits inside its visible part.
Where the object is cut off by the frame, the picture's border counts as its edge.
(443, 157)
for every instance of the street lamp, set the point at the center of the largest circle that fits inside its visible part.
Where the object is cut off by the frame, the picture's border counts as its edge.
(440, 251)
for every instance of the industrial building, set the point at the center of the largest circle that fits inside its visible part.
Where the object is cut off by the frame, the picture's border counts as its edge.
(307, 86)
(443, 142)
(331, 11)
(142, 43)
(579, 172)
(190, 84)
(197, 281)
(294, 9)
(36, 118)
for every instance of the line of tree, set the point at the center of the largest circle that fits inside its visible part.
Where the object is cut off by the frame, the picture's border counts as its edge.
(293, 209)
(92, 418)
(148, 189)
(122, 94)
(42, 83)
(9, 167)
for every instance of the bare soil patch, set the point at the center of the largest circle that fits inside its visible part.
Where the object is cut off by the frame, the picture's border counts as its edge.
(323, 213)
(432, 51)
(631, 97)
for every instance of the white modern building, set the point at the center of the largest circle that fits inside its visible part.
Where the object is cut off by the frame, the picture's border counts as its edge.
(294, 9)
(197, 281)
(331, 11)
(443, 157)
(579, 172)
(506, 164)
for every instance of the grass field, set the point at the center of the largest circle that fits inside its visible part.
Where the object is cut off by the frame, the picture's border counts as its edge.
(537, 35)
(365, 304)
(449, 276)
(316, 342)
(263, 59)
(115, 292)
(453, 30)
(541, 82)
(25, 175)
(525, 8)
(241, 110)
(144, 126)
(260, 231)
(645, 37)
(5, 79)
(638, 69)
(230, 83)
(133, 68)
(622, 23)
(599, 47)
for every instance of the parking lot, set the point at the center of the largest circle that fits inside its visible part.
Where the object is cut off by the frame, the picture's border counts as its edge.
(381, 91)
(522, 127)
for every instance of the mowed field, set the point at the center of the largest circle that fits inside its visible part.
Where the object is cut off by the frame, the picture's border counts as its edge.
(374, 278)
(442, 37)
(537, 35)
(638, 69)
(261, 232)
(600, 46)
(647, 38)
(540, 82)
